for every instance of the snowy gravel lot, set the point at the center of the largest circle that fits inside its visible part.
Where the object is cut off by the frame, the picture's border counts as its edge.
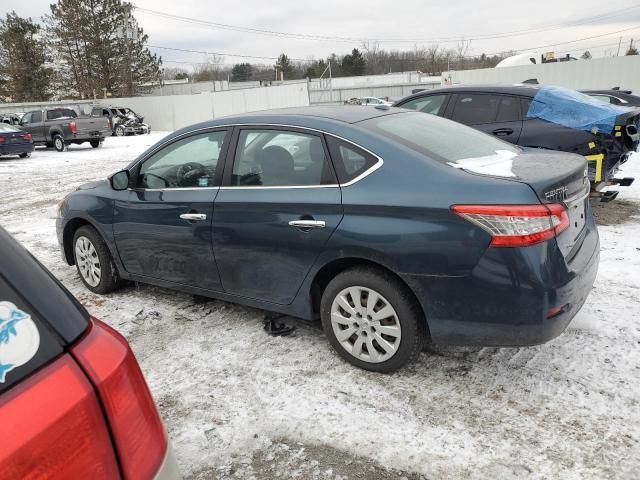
(238, 403)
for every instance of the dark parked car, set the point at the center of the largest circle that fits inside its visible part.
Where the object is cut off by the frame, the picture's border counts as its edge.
(60, 127)
(542, 117)
(73, 401)
(623, 98)
(123, 121)
(15, 141)
(390, 226)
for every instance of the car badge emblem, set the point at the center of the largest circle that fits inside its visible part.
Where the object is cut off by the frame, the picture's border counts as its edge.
(557, 194)
(19, 338)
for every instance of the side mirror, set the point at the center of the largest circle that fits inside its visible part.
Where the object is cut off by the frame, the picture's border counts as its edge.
(120, 180)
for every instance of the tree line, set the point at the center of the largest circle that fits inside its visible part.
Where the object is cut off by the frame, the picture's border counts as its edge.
(82, 49)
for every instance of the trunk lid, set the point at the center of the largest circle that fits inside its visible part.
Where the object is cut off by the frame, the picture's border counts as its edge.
(558, 177)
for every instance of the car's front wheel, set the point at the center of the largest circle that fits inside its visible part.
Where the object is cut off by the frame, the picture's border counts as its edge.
(120, 131)
(25, 155)
(372, 320)
(93, 261)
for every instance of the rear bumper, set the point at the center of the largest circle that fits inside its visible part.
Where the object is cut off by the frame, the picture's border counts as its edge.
(506, 298)
(16, 149)
(169, 468)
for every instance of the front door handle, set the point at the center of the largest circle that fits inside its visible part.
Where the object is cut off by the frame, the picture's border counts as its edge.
(501, 132)
(307, 223)
(192, 217)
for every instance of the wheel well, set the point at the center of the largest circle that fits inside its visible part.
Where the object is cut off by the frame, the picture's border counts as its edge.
(330, 270)
(67, 237)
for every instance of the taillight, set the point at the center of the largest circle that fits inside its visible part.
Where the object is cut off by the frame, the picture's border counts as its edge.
(516, 225)
(1, 139)
(73, 127)
(28, 137)
(136, 427)
(52, 426)
(110, 125)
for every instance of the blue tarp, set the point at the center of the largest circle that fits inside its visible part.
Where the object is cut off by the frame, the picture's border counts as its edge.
(574, 110)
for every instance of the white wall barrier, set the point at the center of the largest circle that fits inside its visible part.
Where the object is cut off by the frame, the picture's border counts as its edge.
(176, 111)
(597, 73)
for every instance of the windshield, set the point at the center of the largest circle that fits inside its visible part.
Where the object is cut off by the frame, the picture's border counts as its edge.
(440, 139)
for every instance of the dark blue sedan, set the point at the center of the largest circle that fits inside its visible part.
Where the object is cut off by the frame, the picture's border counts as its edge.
(15, 141)
(391, 227)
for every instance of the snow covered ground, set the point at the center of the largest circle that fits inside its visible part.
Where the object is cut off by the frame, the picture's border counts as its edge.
(238, 403)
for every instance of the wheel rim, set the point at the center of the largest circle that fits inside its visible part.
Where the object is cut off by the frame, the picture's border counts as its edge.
(58, 143)
(365, 324)
(88, 261)
(119, 132)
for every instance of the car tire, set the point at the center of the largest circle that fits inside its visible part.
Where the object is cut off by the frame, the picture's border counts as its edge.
(399, 316)
(25, 155)
(120, 132)
(58, 142)
(93, 260)
(95, 143)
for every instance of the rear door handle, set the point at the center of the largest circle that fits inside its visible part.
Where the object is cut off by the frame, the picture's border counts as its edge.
(502, 132)
(193, 216)
(307, 223)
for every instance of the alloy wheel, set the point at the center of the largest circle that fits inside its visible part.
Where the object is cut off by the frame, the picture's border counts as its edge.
(365, 324)
(88, 261)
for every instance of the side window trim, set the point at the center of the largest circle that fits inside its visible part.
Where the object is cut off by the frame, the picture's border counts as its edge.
(233, 148)
(379, 161)
(135, 169)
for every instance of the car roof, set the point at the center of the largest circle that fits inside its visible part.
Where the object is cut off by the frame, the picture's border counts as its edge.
(526, 90)
(340, 113)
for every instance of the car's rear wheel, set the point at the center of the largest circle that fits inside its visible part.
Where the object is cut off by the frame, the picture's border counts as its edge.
(372, 319)
(95, 266)
(58, 143)
(95, 143)
(25, 155)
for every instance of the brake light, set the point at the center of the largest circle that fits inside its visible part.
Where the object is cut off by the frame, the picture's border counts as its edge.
(28, 137)
(137, 430)
(52, 426)
(73, 127)
(1, 139)
(516, 225)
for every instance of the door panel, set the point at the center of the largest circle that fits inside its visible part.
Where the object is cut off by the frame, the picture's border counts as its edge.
(259, 254)
(278, 179)
(162, 228)
(152, 240)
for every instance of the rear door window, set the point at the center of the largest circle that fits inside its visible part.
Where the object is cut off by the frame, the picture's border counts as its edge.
(475, 108)
(509, 110)
(36, 117)
(432, 104)
(274, 158)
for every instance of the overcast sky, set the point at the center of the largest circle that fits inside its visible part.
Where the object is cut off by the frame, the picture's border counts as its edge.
(417, 21)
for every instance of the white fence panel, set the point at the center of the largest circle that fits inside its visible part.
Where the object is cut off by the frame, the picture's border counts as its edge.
(597, 73)
(176, 111)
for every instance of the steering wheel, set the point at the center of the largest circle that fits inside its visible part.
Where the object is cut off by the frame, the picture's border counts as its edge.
(187, 173)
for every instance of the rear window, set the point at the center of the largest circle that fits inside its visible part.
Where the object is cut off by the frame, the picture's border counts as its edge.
(26, 343)
(61, 113)
(438, 138)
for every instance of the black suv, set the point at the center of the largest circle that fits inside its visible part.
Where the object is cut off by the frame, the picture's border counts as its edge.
(503, 111)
